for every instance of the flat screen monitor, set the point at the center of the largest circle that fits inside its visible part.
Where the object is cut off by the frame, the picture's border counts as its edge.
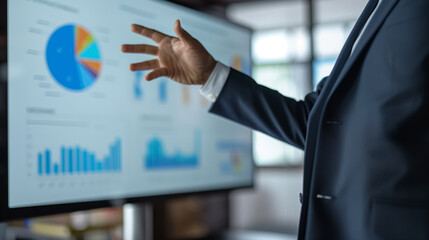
(83, 131)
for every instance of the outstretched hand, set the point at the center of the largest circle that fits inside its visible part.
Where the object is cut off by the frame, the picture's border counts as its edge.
(183, 59)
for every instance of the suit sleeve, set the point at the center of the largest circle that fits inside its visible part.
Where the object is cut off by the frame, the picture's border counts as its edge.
(243, 101)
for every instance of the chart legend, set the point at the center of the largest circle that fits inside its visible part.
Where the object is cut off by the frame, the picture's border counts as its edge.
(236, 152)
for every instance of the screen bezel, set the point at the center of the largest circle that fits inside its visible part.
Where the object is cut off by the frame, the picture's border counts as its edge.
(7, 214)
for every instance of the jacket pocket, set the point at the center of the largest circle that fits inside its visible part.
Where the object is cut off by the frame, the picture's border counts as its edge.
(399, 220)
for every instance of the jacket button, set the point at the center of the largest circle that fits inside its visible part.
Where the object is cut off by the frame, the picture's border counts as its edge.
(212, 97)
(334, 122)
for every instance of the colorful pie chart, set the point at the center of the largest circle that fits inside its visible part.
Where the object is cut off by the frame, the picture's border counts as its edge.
(73, 57)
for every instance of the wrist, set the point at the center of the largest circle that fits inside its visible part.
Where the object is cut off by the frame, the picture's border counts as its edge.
(208, 72)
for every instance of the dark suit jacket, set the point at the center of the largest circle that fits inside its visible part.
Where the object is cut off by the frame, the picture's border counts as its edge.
(365, 131)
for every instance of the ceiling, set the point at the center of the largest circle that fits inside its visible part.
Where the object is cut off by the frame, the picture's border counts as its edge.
(285, 14)
(216, 7)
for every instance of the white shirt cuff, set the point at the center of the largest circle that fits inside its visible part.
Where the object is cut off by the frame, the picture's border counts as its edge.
(214, 84)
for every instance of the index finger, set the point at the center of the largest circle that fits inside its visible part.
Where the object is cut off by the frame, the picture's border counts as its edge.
(147, 32)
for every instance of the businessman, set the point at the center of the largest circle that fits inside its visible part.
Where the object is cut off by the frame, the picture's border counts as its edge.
(365, 130)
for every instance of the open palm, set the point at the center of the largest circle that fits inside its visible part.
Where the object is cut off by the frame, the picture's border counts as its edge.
(183, 59)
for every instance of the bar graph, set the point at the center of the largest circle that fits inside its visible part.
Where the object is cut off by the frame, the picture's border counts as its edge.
(138, 91)
(186, 94)
(162, 90)
(77, 160)
(158, 158)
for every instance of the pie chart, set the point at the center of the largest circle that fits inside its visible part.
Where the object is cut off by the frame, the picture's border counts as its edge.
(73, 57)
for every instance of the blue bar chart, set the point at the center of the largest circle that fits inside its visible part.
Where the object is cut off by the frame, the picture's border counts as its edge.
(162, 90)
(77, 160)
(138, 91)
(158, 158)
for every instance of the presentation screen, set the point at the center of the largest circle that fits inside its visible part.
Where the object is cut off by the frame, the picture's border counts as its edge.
(82, 127)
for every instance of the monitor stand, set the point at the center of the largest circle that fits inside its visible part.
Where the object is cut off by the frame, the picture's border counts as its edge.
(3, 229)
(138, 221)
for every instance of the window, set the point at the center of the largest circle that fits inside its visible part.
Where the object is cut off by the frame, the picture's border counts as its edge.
(322, 68)
(280, 62)
(282, 58)
(290, 80)
(328, 41)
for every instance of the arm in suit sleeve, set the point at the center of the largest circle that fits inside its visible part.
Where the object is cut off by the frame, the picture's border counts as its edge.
(244, 101)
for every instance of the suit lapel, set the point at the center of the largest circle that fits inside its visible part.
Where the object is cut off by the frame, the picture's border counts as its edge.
(376, 22)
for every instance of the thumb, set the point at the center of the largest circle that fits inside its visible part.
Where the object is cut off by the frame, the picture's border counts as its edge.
(181, 33)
